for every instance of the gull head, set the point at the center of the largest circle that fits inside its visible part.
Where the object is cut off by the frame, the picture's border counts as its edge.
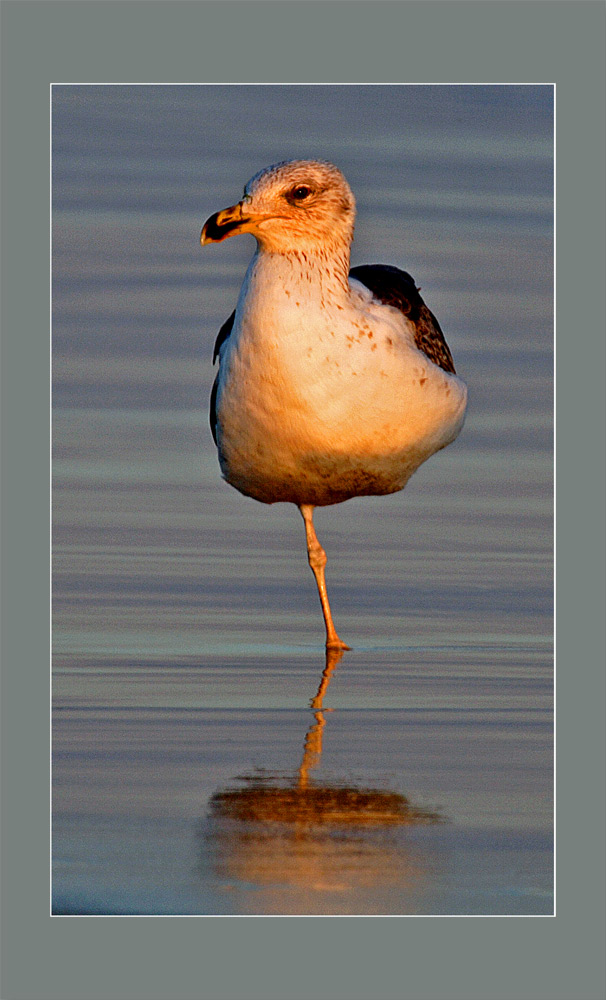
(297, 205)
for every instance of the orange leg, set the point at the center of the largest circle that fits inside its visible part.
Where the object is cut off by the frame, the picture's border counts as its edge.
(317, 560)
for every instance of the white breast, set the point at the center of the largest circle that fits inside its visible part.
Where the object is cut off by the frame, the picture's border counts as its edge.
(323, 395)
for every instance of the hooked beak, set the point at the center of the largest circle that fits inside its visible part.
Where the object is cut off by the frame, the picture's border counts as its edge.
(229, 222)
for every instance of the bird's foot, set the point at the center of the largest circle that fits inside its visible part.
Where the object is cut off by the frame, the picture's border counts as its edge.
(336, 643)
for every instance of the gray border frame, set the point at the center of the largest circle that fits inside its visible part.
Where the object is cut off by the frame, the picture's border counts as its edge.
(45, 41)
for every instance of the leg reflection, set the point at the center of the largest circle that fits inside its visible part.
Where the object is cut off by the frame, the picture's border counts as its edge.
(308, 844)
(312, 751)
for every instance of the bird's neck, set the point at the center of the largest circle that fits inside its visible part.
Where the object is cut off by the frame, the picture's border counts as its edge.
(316, 273)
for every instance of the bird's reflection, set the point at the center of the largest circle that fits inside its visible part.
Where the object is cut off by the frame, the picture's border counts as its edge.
(280, 833)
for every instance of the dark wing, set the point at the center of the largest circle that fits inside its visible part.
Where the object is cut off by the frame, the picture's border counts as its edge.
(222, 336)
(396, 288)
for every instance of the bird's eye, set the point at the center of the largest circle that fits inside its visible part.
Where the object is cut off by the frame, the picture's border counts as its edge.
(299, 193)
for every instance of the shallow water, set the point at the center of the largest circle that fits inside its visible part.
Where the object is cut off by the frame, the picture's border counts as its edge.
(187, 632)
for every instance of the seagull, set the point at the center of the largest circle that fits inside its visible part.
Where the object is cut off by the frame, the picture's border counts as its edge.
(333, 382)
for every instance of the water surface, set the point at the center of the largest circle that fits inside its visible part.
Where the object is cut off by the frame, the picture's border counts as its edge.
(192, 775)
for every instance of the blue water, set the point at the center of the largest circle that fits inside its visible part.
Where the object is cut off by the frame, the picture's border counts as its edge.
(187, 632)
